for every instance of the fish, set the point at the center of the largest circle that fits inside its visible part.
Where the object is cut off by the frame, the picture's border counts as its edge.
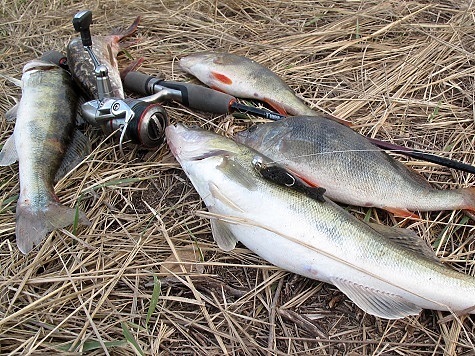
(244, 78)
(44, 142)
(106, 49)
(388, 272)
(353, 171)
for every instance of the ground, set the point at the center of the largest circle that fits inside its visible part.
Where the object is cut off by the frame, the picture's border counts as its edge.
(399, 71)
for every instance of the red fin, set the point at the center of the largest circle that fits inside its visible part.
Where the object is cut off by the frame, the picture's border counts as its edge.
(277, 107)
(121, 33)
(403, 213)
(222, 78)
(131, 67)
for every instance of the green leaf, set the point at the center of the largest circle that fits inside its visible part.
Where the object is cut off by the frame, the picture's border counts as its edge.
(76, 217)
(130, 338)
(367, 216)
(7, 201)
(157, 288)
(90, 345)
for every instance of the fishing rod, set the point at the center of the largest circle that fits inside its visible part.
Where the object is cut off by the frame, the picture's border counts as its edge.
(210, 100)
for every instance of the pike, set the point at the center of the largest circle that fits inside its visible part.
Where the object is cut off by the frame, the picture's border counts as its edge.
(388, 272)
(106, 49)
(353, 171)
(46, 146)
(244, 78)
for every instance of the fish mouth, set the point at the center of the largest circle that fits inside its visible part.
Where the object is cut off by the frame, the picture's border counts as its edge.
(190, 145)
(38, 64)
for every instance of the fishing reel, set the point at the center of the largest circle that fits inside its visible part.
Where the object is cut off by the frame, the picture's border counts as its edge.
(141, 121)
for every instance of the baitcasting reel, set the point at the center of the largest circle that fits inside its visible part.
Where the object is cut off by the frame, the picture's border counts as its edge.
(142, 121)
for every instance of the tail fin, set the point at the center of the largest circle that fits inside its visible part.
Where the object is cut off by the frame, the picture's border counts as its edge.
(33, 225)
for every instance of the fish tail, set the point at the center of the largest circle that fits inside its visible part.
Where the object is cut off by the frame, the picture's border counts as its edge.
(121, 33)
(32, 224)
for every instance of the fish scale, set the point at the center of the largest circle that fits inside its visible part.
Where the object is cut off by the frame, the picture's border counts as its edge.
(386, 271)
(43, 131)
(106, 49)
(350, 168)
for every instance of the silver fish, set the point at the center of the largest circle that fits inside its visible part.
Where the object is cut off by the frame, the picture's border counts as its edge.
(244, 78)
(43, 131)
(387, 272)
(350, 168)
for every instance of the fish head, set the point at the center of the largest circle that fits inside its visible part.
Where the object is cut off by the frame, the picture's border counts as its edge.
(212, 160)
(195, 144)
(194, 62)
(216, 70)
(39, 64)
(263, 135)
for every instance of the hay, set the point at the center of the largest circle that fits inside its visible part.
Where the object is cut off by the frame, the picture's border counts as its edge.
(401, 71)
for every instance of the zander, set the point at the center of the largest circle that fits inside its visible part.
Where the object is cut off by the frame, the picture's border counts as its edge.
(44, 142)
(387, 272)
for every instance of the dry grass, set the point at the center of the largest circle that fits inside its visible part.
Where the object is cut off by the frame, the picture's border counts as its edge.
(401, 71)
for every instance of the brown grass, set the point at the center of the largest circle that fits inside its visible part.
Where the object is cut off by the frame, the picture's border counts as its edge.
(401, 71)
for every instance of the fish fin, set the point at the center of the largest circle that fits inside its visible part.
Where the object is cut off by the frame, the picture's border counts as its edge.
(469, 198)
(237, 173)
(11, 114)
(376, 302)
(402, 213)
(218, 195)
(276, 106)
(79, 148)
(8, 155)
(408, 239)
(121, 33)
(223, 235)
(131, 67)
(407, 171)
(32, 226)
(222, 78)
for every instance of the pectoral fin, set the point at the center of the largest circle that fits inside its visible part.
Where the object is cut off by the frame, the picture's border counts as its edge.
(11, 114)
(222, 78)
(375, 302)
(236, 172)
(223, 235)
(276, 106)
(8, 155)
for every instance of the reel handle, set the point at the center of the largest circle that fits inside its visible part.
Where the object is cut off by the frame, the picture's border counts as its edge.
(82, 22)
